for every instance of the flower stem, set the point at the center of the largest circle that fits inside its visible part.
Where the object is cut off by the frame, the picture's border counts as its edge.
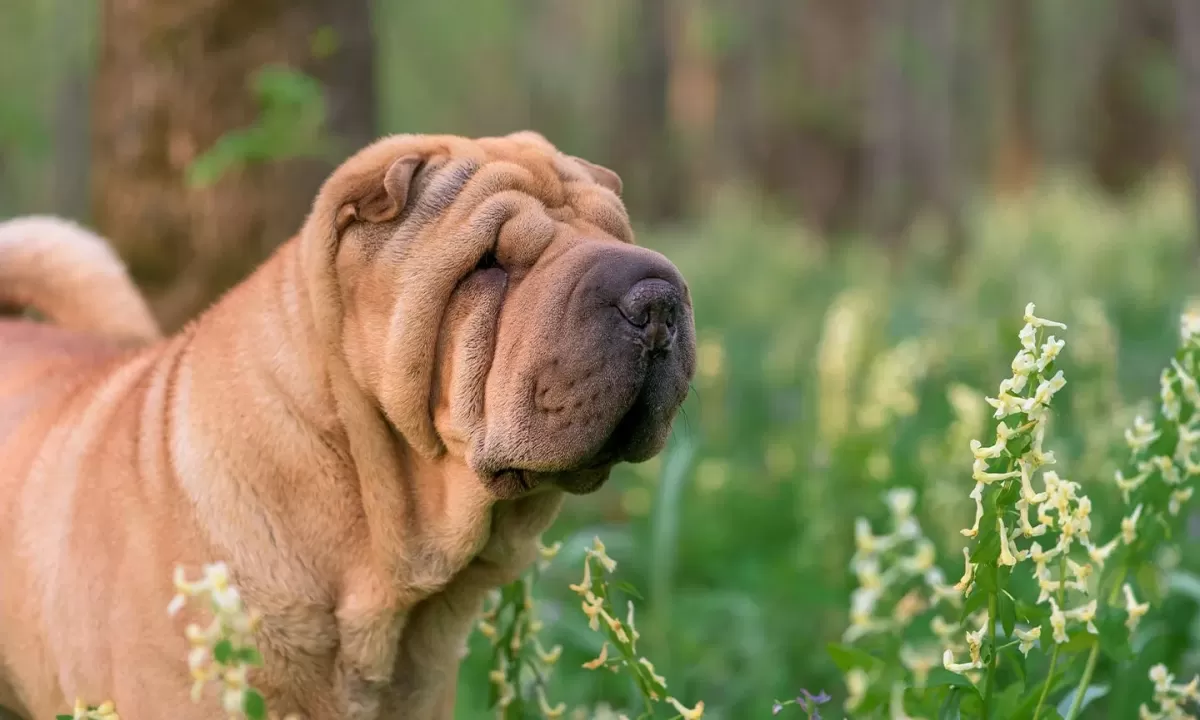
(1094, 655)
(1046, 687)
(1084, 681)
(991, 673)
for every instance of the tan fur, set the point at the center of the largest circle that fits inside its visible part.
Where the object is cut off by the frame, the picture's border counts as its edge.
(72, 276)
(335, 429)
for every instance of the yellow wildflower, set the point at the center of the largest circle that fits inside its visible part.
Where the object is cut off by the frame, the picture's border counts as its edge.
(600, 660)
(693, 714)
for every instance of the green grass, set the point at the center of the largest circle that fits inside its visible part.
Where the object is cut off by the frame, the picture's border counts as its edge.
(740, 535)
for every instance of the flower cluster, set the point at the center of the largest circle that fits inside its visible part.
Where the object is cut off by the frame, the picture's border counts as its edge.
(1165, 451)
(1015, 521)
(897, 571)
(899, 566)
(83, 711)
(889, 386)
(889, 395)
(621, 634)
(521, 665)
(224, 651)
(1170, 697)
(839, 358)
(1037, 587)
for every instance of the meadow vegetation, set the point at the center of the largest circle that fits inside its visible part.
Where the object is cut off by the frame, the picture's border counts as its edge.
(837, 395)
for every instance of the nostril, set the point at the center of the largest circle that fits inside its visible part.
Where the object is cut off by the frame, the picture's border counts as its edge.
(650, 301)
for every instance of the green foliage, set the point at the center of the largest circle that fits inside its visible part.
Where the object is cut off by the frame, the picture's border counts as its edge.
(761, 525)
(291, 124)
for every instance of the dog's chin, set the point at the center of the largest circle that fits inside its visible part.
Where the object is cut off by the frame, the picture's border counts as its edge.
(513, 482)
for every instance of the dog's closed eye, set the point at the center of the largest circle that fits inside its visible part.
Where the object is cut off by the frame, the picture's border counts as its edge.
(488, 261)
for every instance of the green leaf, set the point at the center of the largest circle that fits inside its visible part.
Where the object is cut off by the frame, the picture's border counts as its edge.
(254, 706)
(985, 650)
(227, 153)
(291, 123)
(848, 658)
(985, 577)
(1008, 613)
(1016, 659)
(1184, 583)
(1019, 444)
(223, 652)
(1031, 613)
(1008, 700)
(1114, 636)
(1008, 495)
(941, 677)
(281, 85)
(975, 601)
(972, 706)
(1057, 684)
(949, 708)
(988, 550)
(249, 656)
(625, 587)
(1077, 642)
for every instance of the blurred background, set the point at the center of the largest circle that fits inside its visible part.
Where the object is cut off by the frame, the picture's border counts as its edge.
(863, 195)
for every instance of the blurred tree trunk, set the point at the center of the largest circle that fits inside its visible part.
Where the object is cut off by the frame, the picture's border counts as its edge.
(935, 24)
(1074, 37)
(1130, 133)
(692, 89)
(172, 79)
(644, 151)
(69, 117)
(815, 148)
(888, 122)
(739, 112)
(1187, 40)
(1015, 162)
(911, 118)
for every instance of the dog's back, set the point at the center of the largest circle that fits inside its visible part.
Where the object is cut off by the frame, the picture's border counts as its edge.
(74, 279)
(48, 373)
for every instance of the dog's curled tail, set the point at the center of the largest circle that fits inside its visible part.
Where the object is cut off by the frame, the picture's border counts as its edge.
(71, 276)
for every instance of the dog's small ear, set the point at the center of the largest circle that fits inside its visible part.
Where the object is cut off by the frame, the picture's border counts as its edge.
(602, 175)
(385, 199)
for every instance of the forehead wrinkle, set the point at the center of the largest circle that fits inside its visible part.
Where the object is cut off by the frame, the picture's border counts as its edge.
(442, 190)
(505, 174)
(542, 166)
(601, 209)
(570, 171)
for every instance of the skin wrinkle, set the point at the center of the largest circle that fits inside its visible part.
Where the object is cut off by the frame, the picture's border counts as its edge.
(334, 428)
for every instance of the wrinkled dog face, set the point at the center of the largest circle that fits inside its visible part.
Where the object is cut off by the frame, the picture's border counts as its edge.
(496, 308)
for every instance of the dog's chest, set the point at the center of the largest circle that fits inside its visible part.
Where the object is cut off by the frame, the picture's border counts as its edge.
(401, 637)
(400, 644)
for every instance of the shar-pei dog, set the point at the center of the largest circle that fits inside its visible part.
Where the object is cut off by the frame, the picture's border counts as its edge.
(371, 431)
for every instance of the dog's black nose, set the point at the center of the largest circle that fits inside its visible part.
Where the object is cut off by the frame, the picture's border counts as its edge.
(652, 305)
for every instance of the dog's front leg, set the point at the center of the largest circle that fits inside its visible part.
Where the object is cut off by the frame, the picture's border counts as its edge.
(434, 639)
